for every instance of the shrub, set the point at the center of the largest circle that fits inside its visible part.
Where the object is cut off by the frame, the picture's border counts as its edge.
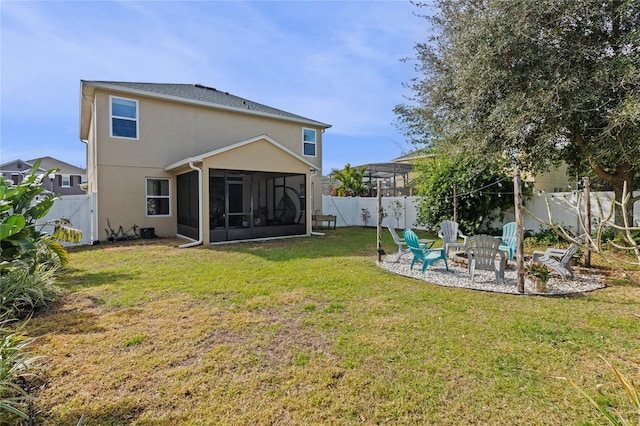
(23, 290)
(548, 237)
(16, 364)
(538, 271)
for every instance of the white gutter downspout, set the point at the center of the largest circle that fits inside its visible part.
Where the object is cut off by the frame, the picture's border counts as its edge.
(200, 224)
(315, 171)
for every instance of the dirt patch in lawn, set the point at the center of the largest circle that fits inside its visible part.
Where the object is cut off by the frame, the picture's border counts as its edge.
(96, 361)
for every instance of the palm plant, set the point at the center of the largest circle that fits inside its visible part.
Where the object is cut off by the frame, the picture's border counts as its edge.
(351, 181)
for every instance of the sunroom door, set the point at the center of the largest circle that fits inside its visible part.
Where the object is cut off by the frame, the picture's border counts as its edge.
(231, 205)
(239, 206)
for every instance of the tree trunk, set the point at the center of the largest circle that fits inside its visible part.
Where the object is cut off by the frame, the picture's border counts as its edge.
(517, 195)
(623, 173)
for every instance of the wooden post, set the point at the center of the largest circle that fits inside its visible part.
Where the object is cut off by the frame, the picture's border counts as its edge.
(587, 219)
(379, 225)
(517, 192)
(455, 204)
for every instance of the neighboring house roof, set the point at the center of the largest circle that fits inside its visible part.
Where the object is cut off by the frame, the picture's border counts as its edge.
(386, 170)
(413, 155)
(188, 93)
(201, 157)
(48, 163)
(12, 166)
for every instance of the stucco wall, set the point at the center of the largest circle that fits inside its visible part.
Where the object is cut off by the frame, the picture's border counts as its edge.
(168, 133)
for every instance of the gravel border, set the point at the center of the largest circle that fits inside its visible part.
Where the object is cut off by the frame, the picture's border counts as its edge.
(458, 276)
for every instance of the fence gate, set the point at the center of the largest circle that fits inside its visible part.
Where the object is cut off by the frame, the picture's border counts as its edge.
(80, 210)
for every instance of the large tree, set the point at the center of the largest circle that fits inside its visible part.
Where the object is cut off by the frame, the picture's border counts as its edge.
(540, 81)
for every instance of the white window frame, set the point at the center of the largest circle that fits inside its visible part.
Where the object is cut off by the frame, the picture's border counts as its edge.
(314, 143)
(149, 196)
(68, 183)
(136, 120)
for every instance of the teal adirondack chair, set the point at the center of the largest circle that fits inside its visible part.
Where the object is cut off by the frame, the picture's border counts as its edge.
(422, 253)
(509, 239)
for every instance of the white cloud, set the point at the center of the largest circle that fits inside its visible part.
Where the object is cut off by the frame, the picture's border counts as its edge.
(338, 62)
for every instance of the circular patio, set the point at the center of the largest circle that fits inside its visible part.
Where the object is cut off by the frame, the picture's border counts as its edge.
(458, 276)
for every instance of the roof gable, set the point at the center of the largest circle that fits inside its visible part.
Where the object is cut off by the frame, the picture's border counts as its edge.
(19, 166)
(240, 144)
(53, 163)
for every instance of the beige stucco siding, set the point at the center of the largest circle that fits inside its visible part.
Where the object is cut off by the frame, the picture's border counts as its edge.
(170, 132)
(257, 156)
(122, 200)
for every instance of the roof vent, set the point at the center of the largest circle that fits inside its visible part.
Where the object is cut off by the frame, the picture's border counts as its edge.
(201, 86)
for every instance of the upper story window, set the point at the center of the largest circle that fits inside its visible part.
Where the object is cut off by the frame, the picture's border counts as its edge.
(309, 142)
(124, 118)
(157, 197)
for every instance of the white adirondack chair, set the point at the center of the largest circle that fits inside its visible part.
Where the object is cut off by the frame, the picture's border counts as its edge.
(481, 253)
(402, 246)
(557, 259)
(449, 233)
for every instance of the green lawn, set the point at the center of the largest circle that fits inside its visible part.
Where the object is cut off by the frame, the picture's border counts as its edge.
(311, 331)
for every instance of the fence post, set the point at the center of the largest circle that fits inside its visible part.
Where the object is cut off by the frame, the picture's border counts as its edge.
(587, 206)
(379, 220)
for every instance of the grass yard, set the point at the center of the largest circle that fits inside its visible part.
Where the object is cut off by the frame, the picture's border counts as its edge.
(310, 331)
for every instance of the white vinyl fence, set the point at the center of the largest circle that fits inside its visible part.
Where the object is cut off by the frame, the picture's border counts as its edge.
(79, 210)
(401, 212)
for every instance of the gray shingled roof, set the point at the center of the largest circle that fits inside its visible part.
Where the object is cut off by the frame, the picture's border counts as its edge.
(207, 95)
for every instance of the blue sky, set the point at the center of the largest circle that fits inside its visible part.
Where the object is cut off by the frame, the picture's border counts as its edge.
(333, 61)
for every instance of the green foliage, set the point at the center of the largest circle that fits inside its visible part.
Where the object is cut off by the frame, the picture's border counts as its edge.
(135, 340)
(21, 206)
(16, 364)
(24, 290)
(541, 81)
(481, 190)
(351, 181)
(538, 271)
(548, 237)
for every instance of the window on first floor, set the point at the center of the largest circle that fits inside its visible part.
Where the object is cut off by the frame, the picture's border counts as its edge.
(124, 118)
(66, 180)
(309, 142)
(157, 196)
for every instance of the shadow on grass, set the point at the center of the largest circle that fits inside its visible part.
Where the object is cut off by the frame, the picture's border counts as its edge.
(72, 314)
(340, 242)
(73, 278)
(66, 322)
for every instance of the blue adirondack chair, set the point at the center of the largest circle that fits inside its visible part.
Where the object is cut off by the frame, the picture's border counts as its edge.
(422, 253)
(509, 241)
